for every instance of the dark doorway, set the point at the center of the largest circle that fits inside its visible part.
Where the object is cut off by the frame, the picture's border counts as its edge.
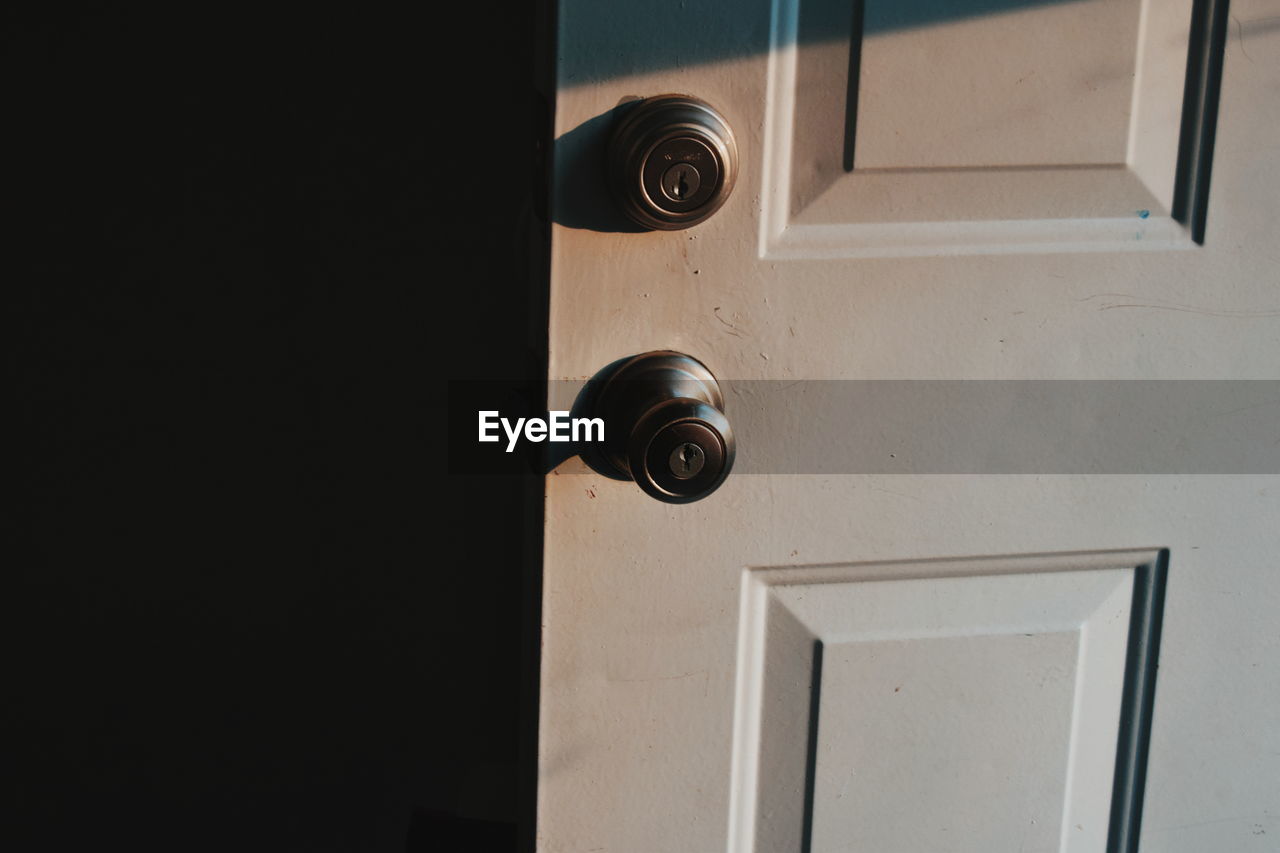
(251, 609)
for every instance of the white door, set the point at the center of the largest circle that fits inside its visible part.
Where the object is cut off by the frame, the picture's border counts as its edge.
(927, 647)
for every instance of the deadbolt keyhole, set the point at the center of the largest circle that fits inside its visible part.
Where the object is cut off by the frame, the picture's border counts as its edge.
(681, 181)
(682, 187)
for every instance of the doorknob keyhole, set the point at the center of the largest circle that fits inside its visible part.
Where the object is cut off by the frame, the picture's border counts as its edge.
(687, 461)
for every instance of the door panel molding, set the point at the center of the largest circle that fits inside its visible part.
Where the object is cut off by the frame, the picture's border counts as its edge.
(854, 680)
(1100, 137)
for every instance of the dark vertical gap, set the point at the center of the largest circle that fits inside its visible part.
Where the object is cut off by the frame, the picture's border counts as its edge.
(1137, 705)
(1217, 41)
(1191, 107)
(811, 752)
(855, 73)
(534, 491)
(1205, 50)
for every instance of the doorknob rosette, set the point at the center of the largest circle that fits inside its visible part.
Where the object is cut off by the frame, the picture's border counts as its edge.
(665, 426)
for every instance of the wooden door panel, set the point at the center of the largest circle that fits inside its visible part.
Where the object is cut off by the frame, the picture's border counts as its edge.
(925, 129)
(647, 715)
(943, 705)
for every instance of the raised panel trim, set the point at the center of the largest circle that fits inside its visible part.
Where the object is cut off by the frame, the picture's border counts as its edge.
(1148, 568)
(1174, 219)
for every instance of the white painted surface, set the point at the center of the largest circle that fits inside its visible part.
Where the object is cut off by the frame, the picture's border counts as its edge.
(643, 682)
(962, 704)
(1050, 83)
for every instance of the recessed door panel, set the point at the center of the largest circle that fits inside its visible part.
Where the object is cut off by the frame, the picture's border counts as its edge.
(983, 126)
(943, 706)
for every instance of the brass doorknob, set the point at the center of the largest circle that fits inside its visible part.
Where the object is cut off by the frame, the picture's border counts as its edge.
(665, 426)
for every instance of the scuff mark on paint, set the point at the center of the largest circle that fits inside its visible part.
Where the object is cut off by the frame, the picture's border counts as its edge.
(733, 330)
(1111, 301)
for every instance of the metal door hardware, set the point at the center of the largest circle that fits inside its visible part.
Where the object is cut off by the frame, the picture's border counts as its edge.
(665, 426)
(672, 162)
